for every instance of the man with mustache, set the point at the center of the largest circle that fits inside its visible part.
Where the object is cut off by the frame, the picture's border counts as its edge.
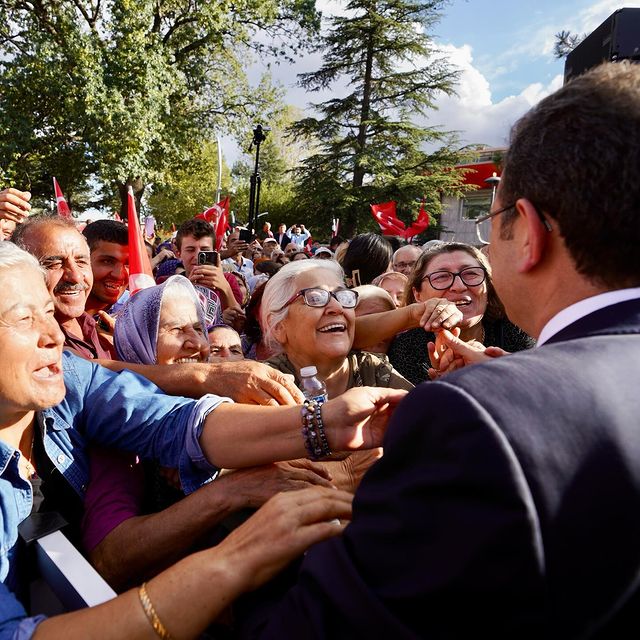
(64, 253)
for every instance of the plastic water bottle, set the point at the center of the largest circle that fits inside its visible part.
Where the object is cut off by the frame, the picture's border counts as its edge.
(313, 387)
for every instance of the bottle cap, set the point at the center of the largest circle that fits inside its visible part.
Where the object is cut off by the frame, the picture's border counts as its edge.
(307, 372)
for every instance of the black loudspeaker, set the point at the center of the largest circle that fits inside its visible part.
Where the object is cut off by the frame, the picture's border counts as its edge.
(617, 38)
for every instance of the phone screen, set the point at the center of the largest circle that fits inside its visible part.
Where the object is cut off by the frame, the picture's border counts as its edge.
(245, 235)
(208, 257)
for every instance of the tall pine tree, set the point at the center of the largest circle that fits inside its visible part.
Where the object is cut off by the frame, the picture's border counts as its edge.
(369, 144)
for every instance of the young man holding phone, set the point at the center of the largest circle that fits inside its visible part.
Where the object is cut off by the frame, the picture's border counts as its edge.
(194, 237)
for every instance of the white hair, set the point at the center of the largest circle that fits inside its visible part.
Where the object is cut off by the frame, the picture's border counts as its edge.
(12, 256)
(279, 290)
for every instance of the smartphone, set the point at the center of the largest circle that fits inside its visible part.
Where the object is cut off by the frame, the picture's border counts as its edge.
(245, 235)
(208, 257)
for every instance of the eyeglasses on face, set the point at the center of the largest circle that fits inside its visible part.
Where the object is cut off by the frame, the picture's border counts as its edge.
(316, 297)
(471, 277)
(404, 265)
(482, 230)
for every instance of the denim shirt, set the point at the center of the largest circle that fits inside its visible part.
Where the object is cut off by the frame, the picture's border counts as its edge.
(120, 410)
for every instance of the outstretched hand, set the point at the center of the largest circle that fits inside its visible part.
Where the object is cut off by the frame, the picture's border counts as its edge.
(358, 418)
(436, 313)
(252, 382)
(449, 352)
(282, 530)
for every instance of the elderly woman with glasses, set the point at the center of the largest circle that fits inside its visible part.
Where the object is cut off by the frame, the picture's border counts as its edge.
(460, 274)
(308, 315)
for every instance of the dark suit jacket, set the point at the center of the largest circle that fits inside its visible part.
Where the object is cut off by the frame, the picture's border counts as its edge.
(507, 504)
(285, 240)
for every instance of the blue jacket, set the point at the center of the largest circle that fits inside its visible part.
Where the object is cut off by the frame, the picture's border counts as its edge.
(120, 410)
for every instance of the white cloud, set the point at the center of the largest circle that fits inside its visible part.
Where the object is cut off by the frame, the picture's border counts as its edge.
(473, 113)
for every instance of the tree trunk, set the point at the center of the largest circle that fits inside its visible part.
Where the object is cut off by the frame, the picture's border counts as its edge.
(361, 140)
(138, 186)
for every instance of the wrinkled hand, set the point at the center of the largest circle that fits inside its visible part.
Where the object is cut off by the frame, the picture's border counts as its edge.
(282, 530)
(234, 317)
(358, 418)
(464, 353)
(438, 313)
(14, 204)
(252, 487)
(252, 382)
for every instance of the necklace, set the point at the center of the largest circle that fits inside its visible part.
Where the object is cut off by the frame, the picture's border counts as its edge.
(31, 470)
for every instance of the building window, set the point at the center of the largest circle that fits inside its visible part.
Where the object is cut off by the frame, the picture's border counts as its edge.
(476, 203)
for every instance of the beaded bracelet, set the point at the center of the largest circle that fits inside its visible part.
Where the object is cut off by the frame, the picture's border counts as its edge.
(152, 616)
(315, 438)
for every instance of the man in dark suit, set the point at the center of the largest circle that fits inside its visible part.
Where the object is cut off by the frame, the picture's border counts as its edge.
(507, 502)
(282, 237)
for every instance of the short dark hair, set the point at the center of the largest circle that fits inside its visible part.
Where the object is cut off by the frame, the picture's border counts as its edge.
(195, 227)
(367, 256)
(576, 157)
(106, 231)
(19, 236)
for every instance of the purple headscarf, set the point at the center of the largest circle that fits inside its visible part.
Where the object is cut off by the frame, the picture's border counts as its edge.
(136, 332)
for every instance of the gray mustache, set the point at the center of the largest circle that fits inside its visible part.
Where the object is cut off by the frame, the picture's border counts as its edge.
(63, 287)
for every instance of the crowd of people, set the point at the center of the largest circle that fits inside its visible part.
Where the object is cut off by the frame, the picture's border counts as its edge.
(472, 471)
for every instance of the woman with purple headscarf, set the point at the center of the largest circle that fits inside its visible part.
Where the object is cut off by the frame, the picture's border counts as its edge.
(164, 324)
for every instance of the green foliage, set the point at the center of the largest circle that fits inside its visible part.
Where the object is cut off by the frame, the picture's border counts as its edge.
(369, 147)
(189, 189)
(123, 92)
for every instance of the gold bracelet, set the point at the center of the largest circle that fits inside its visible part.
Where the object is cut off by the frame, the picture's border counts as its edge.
(151, 614)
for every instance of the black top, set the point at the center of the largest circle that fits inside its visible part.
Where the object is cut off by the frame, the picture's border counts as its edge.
(409, 356)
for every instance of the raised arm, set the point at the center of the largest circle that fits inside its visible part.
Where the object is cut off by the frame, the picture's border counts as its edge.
(247, 381)
(355, 420)
(432, 315)
(191, 594)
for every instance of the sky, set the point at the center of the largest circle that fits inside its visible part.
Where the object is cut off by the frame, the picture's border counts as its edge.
(504, 50)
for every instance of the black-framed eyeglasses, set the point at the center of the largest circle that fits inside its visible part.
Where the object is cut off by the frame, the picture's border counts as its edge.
(470, 276)
(317, 297)
(482, 230)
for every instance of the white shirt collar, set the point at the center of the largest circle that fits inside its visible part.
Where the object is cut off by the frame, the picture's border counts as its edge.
(583, 308)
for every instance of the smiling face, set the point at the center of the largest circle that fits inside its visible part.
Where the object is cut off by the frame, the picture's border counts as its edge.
(181, 336)
(110, 267)
(315, 335)
(472, 301)
(64, 253)
(30, 345)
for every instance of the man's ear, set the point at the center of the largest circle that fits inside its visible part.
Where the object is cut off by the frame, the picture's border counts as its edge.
(531, 236)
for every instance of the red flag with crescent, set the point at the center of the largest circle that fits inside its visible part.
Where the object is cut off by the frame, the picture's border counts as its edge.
(385, 216)
(419, 225)
(218, 217)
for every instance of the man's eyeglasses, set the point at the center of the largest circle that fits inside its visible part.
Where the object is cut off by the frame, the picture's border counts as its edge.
(482, 228)
(316, 297)
(471, 277)
(398, 266)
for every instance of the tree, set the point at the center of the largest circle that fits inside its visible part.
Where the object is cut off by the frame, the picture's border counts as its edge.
(124, 92)
(371, 147)
(189, 189)
(565, 43)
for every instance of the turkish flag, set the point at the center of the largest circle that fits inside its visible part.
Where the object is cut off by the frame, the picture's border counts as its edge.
(385, 215)
(61, 203)
(419, 225)
(140, 273)
(218, 217)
